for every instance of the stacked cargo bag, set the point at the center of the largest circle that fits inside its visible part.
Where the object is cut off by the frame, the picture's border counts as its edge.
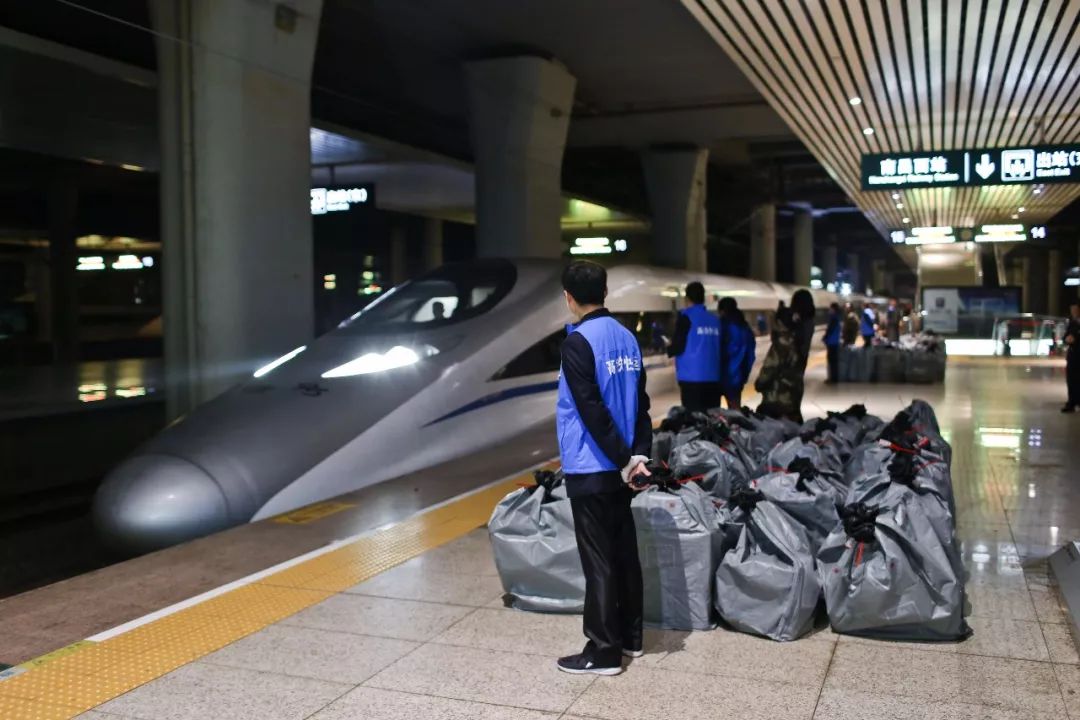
(828, 464)
(867, 423)
(886, 574)
(922, 367)
(808, 496)
(917, 424)
(905, 458)
(714, 459)
(662, 442)
(923, 417)
(536, 554)
(766, 583)
(836, 449)
(678, 543)
(889, 365)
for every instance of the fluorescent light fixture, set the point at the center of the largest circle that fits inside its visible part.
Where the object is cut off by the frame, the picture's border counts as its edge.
(906, 220)
(94, 262)
(148, 261)
(899, 206)
(896, 196)
(128, 262)
(868, 131)
(1013, 232)
(590, 251)
(1021, 209)
(396, 357)
(280, 361)
(855, 100)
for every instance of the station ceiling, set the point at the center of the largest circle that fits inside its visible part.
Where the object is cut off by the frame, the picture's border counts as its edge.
(907, 77)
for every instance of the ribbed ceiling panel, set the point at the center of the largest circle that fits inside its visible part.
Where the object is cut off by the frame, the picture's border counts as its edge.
(931, 75)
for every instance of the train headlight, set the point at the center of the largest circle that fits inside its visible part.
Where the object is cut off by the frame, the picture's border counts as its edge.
(280, 361)
(396, 357)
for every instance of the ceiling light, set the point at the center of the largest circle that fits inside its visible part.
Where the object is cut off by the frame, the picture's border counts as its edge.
(907, 220)
(896, 196)
(1015, 216)
(856, 100)
(868, 131)
(1037, 191)
(1020, 209)
(899, 206)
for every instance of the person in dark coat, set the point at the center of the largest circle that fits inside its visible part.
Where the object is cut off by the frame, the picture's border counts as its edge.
(738, 350)
(832, 343)
(780, 381)
(1072, 359)
(849, 331)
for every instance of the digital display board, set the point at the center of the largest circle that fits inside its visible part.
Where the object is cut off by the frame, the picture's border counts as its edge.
(341, 199)
(953, 168)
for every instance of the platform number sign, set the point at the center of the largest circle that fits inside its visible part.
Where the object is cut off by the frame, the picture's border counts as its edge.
(341, 199)
(954, 168)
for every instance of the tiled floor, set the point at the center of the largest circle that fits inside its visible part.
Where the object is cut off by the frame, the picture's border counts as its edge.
(430, 638)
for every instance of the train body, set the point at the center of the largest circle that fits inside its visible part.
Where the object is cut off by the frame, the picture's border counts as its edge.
(449, 364)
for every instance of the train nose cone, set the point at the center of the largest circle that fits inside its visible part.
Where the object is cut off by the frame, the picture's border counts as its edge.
(154, 501)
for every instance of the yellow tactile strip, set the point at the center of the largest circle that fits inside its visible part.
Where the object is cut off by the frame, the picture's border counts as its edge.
(72, 682)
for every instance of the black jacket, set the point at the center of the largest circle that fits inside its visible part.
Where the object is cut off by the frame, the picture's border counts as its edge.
(579, 371)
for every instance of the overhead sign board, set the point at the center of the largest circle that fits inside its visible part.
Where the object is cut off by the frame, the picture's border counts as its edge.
(341, 199)
(943, 235)
(955, 168)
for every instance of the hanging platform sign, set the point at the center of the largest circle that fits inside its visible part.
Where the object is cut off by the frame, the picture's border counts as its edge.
(956, 168)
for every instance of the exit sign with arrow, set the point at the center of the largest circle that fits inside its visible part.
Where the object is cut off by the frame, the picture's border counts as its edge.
(955, 168)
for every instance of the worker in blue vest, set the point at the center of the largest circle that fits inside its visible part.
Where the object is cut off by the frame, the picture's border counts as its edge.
(832, 344)
(696, 349)
(868, 326)
(605, 436)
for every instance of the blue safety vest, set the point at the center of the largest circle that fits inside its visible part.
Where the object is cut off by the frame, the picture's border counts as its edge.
(832, 331)
(868, 320)
(618, 371)
(700, 361)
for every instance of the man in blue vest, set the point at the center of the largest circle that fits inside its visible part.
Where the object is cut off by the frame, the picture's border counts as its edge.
(868, 326)
(605, 436)
(696, 349)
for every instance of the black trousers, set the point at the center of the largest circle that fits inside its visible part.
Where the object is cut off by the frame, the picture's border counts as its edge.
(1072, 377)
(733, 395)
(832, 353)
(699, 396)
(607, 543)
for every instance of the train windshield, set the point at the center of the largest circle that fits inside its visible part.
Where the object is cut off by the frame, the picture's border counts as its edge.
(449, 295)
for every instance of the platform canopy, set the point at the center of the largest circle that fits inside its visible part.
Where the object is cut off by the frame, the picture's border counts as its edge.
(926, 96)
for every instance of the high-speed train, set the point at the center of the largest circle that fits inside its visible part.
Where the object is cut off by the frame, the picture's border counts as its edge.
(456, 361)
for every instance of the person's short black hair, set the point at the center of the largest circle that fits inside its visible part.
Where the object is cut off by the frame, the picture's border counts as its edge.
(728, 305)
(586, 282)
(695, 292)
(835, 306)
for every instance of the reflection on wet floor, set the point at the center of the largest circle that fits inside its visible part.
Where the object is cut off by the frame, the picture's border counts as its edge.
(49, 389)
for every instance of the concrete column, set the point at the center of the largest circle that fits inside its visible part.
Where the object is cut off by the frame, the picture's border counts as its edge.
(63, 284)
(519, 112)
(1054, 279)
(399, 271)
(234, 98)
(433, 243)
(763, 243)
(828, 263)
(855, 273)
(804, 247)
(675, 179)
(1026, 267)
(877, 273)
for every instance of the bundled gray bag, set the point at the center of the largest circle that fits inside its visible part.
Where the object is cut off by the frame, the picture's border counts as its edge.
(804, 493)
(905, 463)
(923, 417)
(886, 574)
(766, 583)
(678, 543)
(536, 554)
(828, 463)
(716, 462)
(662, 442)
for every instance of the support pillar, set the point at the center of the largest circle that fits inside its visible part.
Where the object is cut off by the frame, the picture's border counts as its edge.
(855, 275)
(519, 113)
(1054, 279)
(234, 97)
(804, 248)
(1026, 267)
(63, 284)
(877, 273)
(763, 243)
(433, 243)
(399, 272)
(675, 179)
(828, 263)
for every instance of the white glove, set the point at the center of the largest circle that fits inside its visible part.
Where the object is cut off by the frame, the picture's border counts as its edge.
(635, 460)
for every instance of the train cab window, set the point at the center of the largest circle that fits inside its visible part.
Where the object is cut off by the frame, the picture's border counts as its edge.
(451, 294)
(543, 357)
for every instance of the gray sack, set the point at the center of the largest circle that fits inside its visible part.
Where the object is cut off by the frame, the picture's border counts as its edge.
(678, 543)
(766, 583)
(536, 551)
(721, 468)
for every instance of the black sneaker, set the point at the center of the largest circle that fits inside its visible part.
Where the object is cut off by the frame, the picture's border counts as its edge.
(582, 664)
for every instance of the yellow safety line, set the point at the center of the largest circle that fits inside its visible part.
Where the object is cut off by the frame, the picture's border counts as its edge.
(81, 679)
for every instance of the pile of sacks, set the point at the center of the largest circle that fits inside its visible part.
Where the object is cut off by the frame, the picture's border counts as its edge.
(767, 525)
(913, 359)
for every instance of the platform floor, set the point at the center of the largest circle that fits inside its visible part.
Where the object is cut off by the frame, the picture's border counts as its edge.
(408, 622)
